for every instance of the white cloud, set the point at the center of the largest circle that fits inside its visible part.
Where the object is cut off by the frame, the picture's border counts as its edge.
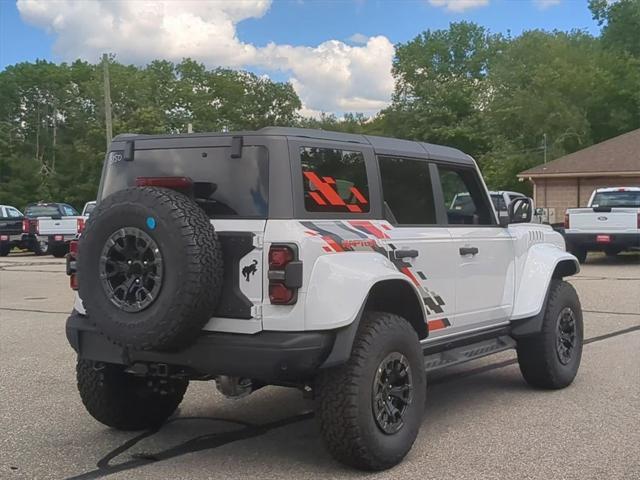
(358, 38)
(544, 4)
(331, 77)
(459, 5)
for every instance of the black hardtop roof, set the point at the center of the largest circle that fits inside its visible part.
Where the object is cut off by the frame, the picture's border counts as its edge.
(382, 145)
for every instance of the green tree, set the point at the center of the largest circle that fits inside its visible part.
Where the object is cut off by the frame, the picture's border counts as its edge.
(621, 23)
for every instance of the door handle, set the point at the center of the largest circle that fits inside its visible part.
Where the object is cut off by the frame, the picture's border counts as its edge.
(399, 254)
(469, 250)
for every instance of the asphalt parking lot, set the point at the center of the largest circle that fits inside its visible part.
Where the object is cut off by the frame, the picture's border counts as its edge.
(482, 422)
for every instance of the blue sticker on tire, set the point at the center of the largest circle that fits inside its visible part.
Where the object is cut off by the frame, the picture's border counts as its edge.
(151, 223)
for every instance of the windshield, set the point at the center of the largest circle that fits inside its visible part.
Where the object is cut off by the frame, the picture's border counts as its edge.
(41, 211)
(619, 199)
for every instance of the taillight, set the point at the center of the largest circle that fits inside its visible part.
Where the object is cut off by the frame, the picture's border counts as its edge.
(567, 222)
(72, 258)
(285, 274)
(279, 294)
(279, 256)
(80, 225)
(30, 225)
(73, 248)
(176, 183)
(638, 224)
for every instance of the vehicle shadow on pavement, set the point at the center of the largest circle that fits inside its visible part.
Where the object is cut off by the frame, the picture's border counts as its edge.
(628, 258)
(290, 439)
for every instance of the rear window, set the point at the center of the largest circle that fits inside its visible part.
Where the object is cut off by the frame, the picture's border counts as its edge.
(41, 211)
(618, 199)
(224, 187)
(334, 180)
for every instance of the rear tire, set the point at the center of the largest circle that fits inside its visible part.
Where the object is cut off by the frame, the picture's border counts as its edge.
(41, 247)
(4, 250)
(59, 251)
(124, 401)
(550, 358)
(351, 396)
(611, 252)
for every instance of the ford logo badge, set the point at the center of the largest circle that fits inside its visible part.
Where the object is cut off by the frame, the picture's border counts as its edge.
(602, 219)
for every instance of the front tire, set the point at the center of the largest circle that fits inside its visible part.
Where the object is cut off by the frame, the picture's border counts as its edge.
(550, 358)
(4, 250)
(370, 408)
(125, 401)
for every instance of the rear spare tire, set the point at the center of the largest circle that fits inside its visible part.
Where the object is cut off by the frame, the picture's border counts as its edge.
(149, 268)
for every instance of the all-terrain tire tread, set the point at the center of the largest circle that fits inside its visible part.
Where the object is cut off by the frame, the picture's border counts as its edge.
(109, 398)
(337, 396)
(199, 291)
(537, 357)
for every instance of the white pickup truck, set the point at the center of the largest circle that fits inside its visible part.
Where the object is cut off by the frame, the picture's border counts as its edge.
(610, 223)
(54, 223)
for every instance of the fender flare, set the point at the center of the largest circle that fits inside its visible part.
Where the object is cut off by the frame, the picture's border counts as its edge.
(544, 262)
(340, 303)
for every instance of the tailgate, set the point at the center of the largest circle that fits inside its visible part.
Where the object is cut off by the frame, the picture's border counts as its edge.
(614, 220)
(63, 226)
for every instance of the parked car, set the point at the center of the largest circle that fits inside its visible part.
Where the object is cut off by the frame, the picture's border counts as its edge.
(88, 208)
(610, 223)
(329, 262)
(53, 224)
(499, 199)
(10, 229)
(13, 233)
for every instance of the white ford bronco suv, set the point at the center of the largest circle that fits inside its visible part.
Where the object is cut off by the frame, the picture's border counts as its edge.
(324, 261)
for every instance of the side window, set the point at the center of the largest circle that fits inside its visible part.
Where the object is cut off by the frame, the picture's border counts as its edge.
(464, 198)
(406, 188)
(13, 213)
(334, 180)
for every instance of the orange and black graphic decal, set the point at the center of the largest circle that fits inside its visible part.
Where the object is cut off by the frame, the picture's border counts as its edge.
(324, 193)
(339, 236)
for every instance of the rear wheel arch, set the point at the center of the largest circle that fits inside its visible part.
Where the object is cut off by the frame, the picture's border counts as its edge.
(393, 296)
(398, 297)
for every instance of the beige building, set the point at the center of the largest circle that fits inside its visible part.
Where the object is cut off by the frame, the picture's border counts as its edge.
(568, 181)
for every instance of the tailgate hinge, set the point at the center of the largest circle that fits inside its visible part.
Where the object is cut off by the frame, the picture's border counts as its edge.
(258, 240)
(256, 311)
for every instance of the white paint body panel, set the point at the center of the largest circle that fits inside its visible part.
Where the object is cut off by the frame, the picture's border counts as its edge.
(538, 250)
(340, 284)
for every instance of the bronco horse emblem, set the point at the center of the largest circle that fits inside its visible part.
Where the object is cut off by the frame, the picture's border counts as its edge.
(250, 270)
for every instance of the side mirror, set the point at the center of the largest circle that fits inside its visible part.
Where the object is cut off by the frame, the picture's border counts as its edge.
(539, 211)
(520, 210)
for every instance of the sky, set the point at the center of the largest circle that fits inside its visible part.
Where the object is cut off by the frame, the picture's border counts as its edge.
(337, 54)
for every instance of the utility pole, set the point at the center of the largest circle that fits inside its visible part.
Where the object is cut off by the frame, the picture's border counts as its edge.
(107, 98)
(544, 146)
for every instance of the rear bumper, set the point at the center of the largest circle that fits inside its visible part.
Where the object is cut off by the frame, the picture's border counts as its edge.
(270, 357)
(54, 240)
(589, 241)
(13, 238)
